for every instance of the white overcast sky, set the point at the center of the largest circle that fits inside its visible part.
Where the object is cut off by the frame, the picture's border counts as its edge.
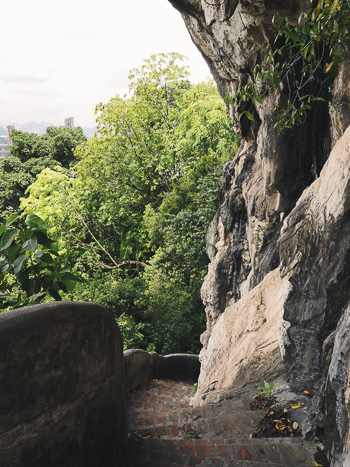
(59, 59)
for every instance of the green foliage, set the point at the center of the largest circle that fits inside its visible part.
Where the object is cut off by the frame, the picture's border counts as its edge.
(194, 389)
(30, 155)
(173, 312)
(30, 267)
(132, 332)
(306, 53)
(266, 390)
(57, 143)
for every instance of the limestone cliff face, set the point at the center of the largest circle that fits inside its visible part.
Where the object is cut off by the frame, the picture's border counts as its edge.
(277, 289)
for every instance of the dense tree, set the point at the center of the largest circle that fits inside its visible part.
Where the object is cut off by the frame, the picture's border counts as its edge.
(134, 217)
(58, 143)
(31, 154)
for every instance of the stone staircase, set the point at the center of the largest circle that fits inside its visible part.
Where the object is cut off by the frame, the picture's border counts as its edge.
(164, 431)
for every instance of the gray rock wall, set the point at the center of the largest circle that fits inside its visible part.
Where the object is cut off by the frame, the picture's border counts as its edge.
(282, 232)
(61, 387)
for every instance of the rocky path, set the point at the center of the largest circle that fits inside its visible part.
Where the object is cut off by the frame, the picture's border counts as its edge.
(164, 431)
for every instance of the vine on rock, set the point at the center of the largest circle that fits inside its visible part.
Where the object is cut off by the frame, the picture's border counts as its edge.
(307, 52)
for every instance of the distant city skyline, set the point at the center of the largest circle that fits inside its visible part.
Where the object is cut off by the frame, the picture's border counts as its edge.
(63, 60)
(40, 128)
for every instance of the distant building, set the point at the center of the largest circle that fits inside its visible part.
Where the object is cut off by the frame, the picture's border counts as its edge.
(10, 129)
(69, 123)
(5, 142)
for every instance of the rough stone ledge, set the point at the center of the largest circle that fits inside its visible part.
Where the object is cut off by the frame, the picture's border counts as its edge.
(62, 398)
(141, 367)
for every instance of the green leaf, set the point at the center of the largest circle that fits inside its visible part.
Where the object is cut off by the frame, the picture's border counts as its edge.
(47, 258)
(249, 115)
(71, 277)
(12, 219)
(33, 298)
(22, 235)
(2, 229)
(54, 294)
(7, 238)
(11, 253)
(35, 222)
(43, 239)
(31, 244)
(4, 268)
(18, 264)
(62, 286)
(28, 286)
(64, 271)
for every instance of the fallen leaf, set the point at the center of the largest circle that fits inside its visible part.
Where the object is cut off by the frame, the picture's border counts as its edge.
(280, 426)
(285, 410)
(316, 464)
(295, 425)
(295, 406)
(306, 392)
(329, 67)
(251, 435)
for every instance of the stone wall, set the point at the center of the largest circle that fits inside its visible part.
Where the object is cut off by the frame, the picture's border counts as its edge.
(141, 367)
(62, 397)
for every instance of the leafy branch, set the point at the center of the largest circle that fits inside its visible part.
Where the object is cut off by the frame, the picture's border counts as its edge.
(307, 51)
(30, 266)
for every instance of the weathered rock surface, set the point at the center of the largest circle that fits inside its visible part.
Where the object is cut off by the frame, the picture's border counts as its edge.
(62, 387)
(286, 214)
(244, 346)
(338, 394)
(315, 258)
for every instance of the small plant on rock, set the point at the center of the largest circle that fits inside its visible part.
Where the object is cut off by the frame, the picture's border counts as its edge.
(264, 397)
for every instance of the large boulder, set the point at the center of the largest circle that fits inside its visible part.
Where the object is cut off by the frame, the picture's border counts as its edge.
(62, 387)
(244, 347)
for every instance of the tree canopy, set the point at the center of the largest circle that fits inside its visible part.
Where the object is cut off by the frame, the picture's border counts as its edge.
(30, 154)
(132, 216)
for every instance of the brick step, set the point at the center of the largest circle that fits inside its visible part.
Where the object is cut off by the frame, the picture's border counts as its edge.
(214, 435)
(271, 451)
(203, 462)
(242, 421)
(224, 427)
(150, 419)
(140, 462)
